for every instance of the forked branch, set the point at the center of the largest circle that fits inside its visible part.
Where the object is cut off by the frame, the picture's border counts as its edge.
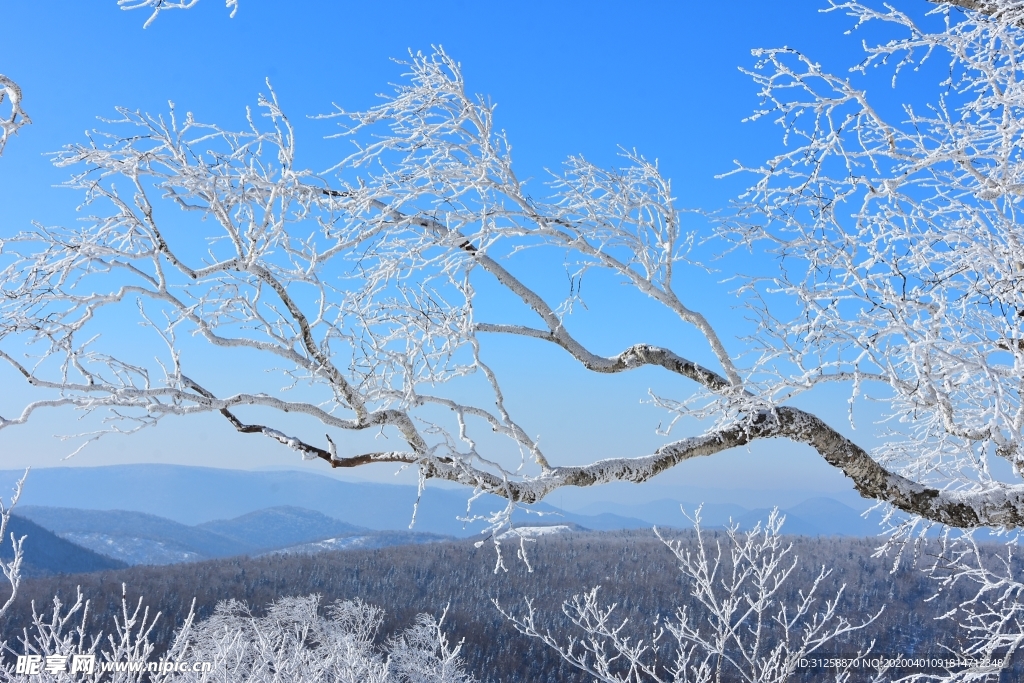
(10, 123)
(364, 291)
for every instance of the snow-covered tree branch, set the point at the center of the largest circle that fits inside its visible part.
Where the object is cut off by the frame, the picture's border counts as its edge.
(743, 628)
(65, 634)
(362, 285)
(901, 240)
(158, 6)
(988, 622)
(11, 568)
(298, 639)
(10, 122)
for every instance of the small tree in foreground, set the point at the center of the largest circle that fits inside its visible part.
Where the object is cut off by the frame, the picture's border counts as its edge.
(11, 568)
(745, 622)
(294, 641)
(743, 627)
(990, 622)
(65, 635)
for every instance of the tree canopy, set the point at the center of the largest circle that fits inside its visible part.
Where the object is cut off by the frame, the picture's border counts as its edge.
(366, 285)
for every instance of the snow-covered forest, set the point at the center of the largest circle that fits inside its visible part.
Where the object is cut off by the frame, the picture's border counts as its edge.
(377, 308)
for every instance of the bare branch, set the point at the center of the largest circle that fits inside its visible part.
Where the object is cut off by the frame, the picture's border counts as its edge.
(12, 568)
(159, 6)
(746, 628)
(17, 118)
(360, 290)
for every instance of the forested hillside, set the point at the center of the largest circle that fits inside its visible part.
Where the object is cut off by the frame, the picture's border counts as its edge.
(48, 553)
(634, 569)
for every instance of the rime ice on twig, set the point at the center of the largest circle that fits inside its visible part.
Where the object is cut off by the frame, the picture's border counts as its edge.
(745, 628)
(159, 6)
(9, 124)
(293, 641)
(900, 238)
(12, 568)
(361, 283)
(66, 633)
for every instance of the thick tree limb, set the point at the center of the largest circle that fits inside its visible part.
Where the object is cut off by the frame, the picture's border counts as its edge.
(975, 5)
(367, 292)
(963, 509)
(1001, 507)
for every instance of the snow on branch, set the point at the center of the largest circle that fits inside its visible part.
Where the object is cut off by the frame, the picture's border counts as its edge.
(297, 639)
(9, 124)
(746, 626)
(896, 212)
(158, 6)
(12, 568)
(359, 287)
(988, 617)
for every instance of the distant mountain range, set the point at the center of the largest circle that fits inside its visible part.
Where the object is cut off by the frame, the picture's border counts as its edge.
(165, 514)
(196, 495)
(201, 496)
(134, 537)
(818, 516)
(281, 526)
(139, 538)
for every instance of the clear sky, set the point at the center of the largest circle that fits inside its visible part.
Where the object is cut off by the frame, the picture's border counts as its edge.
(569, 77)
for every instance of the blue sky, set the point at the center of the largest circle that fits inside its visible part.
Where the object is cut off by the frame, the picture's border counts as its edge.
(569, 77)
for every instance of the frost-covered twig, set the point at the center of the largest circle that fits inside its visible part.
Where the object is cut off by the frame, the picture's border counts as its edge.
(12, 568)
(360, 285)
(65, 635)
(296, 640)
(743, 627)
(899, 231)
(9, 124)
(158, 6)
(988, 624)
